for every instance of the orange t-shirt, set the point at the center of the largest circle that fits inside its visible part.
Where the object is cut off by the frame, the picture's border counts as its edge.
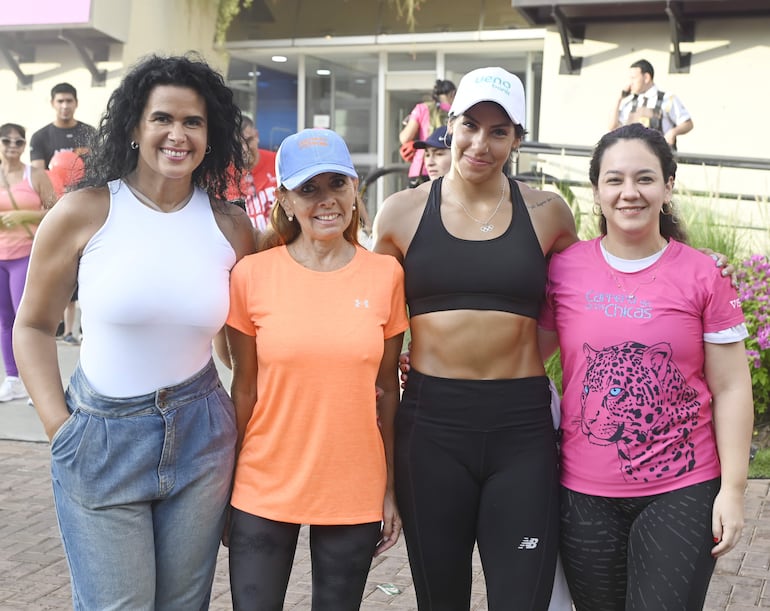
(312, 453)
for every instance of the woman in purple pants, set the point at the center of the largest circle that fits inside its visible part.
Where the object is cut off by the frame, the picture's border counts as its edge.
(25, 195)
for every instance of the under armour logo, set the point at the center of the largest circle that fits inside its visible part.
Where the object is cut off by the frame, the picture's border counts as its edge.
(362, 303)
(529, 543)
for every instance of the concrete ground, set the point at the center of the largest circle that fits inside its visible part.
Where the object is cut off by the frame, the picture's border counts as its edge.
(34, 577)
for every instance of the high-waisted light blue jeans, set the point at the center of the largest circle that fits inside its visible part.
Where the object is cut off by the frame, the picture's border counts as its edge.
(140, 486)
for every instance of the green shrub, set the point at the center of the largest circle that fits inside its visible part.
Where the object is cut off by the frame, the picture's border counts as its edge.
(753, 273)
(553, 370)
(759, 468)
(706, 230)
(753, 277)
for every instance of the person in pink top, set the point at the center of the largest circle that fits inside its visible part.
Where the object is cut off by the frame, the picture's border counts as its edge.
(424, 118)
(657, 409)
(25, 195)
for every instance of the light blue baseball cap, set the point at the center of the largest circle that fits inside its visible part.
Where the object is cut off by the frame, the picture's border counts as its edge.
(309, 153)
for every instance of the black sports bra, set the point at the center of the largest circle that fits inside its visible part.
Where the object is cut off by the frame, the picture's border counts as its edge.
(443, 272)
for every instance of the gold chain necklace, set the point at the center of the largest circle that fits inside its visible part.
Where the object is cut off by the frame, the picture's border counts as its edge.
(485, 226)
(630, 294)
(151, 204)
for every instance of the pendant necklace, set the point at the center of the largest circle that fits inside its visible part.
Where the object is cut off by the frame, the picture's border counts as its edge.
(630, 294)
(485, 226)
(151, 204)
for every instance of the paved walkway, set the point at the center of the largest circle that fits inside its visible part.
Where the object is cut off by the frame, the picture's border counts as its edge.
(33, 572)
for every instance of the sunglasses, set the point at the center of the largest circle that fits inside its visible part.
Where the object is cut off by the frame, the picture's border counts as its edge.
(12, 141)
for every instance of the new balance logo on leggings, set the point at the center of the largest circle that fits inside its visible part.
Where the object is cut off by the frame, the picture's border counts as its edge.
(529, 543)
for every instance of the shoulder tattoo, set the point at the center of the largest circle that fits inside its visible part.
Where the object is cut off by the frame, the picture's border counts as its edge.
(550, 198)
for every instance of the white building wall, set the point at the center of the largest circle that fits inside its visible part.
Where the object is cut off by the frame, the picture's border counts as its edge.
(725, 92)
(167, 27)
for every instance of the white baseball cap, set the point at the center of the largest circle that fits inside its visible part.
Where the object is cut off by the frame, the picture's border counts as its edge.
(491, 85)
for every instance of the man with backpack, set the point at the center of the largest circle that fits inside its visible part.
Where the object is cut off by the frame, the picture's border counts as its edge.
(642, 102)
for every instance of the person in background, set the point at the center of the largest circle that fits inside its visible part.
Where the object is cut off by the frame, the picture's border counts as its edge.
(143, 440)
(474, 426)
(313, 308)
(65, 133)
(438, 158)
(642, 102)
(257, 185)
(424, 118)
(25, 196)
(657, 410)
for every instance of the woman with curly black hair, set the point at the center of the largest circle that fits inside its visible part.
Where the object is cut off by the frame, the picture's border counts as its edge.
(142, 441)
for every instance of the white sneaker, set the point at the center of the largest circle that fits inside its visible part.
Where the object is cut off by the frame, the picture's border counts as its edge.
(12, 388)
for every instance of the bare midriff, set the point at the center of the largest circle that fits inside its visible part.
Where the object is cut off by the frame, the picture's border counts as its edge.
(475, 345)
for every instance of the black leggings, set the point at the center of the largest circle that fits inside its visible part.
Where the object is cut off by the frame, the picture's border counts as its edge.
(649, 553)
(262, 553)
(476, 462)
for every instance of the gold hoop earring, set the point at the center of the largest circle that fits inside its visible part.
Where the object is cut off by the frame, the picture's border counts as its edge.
(667, 211)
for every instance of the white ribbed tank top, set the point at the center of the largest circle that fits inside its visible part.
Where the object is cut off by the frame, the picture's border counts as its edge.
(153, 291)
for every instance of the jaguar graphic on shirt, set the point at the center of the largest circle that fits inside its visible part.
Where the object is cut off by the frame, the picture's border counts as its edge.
(636, 398)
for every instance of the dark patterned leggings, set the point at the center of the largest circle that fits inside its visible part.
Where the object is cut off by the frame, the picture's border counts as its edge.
(650, 553)
(262, 552)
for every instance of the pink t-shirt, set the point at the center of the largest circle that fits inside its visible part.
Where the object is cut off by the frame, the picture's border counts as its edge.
(421, 114)
(636, 413)
(16, 242)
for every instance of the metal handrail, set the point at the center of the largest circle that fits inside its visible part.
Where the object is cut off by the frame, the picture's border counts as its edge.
(746, 163)
(574, 150)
